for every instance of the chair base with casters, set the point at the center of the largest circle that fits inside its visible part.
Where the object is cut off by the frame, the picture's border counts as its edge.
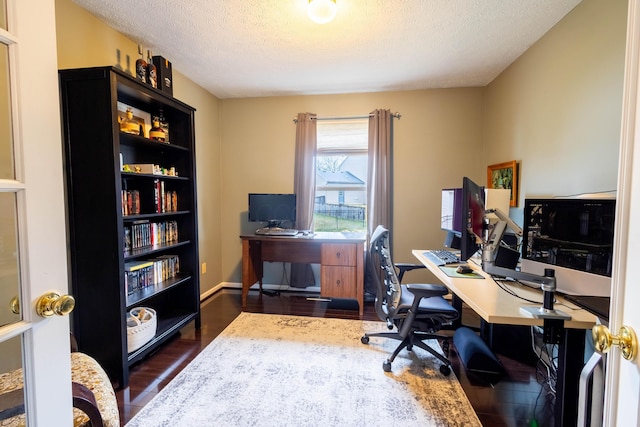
(417, 311)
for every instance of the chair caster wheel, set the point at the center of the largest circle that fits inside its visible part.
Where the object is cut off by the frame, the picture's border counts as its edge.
(364, 339)
(445, 370)
(386, 366)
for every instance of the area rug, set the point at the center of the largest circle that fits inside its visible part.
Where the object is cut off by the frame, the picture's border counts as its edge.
(272, 370)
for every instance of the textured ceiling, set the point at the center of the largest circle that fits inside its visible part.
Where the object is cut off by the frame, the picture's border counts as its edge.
(252, 48)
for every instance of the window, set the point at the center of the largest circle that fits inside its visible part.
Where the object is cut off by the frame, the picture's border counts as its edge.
(341, 175)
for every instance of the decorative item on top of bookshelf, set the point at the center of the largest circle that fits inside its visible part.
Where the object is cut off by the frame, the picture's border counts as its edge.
(504, 175)
(152, 75)
(141, 66)
(165, 75)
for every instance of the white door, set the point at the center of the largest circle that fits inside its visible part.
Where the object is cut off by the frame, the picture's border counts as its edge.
(33, 256)
(622, 390)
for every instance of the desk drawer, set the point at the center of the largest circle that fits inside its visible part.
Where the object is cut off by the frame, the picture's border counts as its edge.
(338, 254)
(338, 282)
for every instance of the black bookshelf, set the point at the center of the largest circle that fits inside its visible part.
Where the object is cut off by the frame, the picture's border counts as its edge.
(97, 218)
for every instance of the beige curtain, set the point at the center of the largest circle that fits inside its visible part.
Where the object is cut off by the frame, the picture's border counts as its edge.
(379, 174)
(379, 180)
(304, 185)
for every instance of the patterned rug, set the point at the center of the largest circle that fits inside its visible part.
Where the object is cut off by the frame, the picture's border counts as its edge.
(272, 370)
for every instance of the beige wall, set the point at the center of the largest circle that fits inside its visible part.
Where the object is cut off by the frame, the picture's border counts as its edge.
(85, 41)
(437, 141)
(557, 109)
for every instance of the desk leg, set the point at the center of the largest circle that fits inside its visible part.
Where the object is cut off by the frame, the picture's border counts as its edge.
(456, 302)
(570, 364)
(251, 267)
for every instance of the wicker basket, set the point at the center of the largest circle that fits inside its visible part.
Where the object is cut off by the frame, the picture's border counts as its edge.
(141, 327)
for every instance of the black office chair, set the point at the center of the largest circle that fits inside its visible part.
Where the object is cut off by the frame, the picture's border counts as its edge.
(418, 311)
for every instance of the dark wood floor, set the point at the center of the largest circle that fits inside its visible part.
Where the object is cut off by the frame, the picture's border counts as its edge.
(511, 401)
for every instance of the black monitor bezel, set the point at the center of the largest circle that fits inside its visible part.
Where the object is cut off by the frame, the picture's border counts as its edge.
(469, 240)
(289, 198)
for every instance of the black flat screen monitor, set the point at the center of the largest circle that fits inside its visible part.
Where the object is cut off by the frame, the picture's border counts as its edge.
(473, 211)
(272, 208)
(571, 233)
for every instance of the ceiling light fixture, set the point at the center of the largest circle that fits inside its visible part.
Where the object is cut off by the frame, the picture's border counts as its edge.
(322, 11)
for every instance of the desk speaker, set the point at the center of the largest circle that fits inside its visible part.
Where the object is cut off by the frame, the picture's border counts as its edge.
(507, 257)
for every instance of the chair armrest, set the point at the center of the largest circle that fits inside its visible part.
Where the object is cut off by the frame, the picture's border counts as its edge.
(426, 290)
(84, 400)
(403, 267)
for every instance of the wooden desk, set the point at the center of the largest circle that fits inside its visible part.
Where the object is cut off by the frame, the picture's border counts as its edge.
(340, 255)
(496, 306)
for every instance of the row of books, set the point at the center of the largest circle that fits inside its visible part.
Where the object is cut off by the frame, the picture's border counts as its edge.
(142, 234)
(130, 202)
(139, 275)
(165, 201)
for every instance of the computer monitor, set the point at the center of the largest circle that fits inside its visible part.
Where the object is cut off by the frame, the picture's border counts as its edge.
(473, 210)
(275, 209)
(575, 238)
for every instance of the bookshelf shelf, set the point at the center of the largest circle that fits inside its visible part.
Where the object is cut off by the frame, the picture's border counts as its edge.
(148, 251)
(152, 291)
(116, 218)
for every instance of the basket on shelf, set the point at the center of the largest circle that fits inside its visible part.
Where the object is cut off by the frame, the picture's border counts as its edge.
(141, 327)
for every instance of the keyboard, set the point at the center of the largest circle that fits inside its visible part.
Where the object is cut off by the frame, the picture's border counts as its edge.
(276, 231)
(441, 257)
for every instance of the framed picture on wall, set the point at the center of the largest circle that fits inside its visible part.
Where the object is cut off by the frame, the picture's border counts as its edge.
(504, 175)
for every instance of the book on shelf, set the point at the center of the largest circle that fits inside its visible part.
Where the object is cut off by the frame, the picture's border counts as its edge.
(130, 202)
(143, 274)
(164, 200)
(136, 265)
(143, 234)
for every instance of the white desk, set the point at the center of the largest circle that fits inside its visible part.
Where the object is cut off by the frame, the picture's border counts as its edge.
(496, 306)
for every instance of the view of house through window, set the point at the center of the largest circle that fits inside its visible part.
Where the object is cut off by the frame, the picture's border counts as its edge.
(341, 175)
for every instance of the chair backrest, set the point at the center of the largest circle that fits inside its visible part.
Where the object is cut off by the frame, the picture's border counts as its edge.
(383, 274)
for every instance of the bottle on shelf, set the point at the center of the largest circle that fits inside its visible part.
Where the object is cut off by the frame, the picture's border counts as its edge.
(152, 73)
(128, 125)
(157, 133)
(164, 125)
(141, 66)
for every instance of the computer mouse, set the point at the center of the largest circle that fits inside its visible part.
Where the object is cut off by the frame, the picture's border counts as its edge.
(464, 269)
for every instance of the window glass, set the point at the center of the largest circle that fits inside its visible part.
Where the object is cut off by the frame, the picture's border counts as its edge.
(6, 130)
(9, 261)
(341, 175)
(3, 14)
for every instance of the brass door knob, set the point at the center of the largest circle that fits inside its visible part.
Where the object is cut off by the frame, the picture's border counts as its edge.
(52, 303)
(14, 304)
(626, 340)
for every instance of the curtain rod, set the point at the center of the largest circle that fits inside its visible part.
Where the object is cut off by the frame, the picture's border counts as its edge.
(395, 115)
